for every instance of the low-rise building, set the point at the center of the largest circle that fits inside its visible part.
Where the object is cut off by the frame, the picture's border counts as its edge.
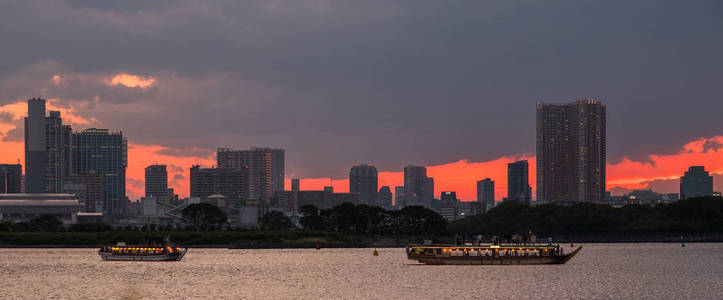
(24, 207)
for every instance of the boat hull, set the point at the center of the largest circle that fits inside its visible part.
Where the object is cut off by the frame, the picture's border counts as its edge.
(160, 257)
(493, 260)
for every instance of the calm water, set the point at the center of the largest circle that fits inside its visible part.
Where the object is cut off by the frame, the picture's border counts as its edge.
(617, 271)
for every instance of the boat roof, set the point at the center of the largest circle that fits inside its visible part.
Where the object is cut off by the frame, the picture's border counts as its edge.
(481, 246)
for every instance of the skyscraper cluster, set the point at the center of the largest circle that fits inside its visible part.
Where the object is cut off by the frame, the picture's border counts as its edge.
(89, 163)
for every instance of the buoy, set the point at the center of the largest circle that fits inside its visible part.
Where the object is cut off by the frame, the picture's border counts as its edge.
(317, 246)
(683, 244)
(572, 244)
(375, 253)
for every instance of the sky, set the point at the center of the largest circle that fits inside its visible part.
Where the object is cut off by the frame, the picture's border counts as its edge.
(451, 85)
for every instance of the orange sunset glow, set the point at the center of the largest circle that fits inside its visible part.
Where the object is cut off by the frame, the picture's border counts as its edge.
(459, 176)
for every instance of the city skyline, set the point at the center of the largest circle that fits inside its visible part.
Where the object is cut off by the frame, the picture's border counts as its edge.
(385, 87)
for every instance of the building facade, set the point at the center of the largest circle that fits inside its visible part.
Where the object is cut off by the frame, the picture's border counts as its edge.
(265, 169)
(385, 198)
(518, 186)
(11, 179)
(486, 194)
(363, 180)
(449, 206)
(36, 156)
(418, 188)
(88, 189)
(156, 179)
(571, 152)
(229, 182)
(696, 182)
(103, 152)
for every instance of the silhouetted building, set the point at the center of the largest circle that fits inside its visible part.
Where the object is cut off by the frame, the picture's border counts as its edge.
(571, 152)
(326, 199)
(88, 189)
(265, 169)
(24, 207)
(449, 206)
(385, 198)
(36, 152)
(518, 186)
(104, 152)
(696, 183)
(399, 197)
(295, 185)
(363, 180)
(11, 179)
(58, 139)
(486, 194)
(157, 181)
(418, 188)
(284, 201)
(229, 182)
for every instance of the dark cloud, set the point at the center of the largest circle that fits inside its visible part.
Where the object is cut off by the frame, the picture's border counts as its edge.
(384, 82)
(711, 145)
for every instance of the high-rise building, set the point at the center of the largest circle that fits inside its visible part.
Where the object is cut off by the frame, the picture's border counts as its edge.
(418, 188)
(363, 180)
(518, 186)
(229, 182)
(449, 206)
(157, 181)
(295, 186)
(105, 152)
(11, 179)
(696, 183)
(36, 155)
(265, 169)
(58, 144)
(385, 197)
(399, 197)
(571, 152)
(486, 194)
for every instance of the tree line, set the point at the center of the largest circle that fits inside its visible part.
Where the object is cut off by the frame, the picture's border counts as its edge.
(697, 215)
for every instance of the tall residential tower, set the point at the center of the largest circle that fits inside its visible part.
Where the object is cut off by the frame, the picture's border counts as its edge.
(571, 152)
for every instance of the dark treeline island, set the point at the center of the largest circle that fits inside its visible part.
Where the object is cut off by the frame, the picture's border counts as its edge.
(348, 225)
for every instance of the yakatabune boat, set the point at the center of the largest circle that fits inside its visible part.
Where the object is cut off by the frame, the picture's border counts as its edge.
(489, 254)
(154, 251)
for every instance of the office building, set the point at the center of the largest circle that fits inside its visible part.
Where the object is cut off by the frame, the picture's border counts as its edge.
(36, 156)
(449, 206)
(696, 183)
(104, 152)
(363, 180)
(11, 179)
(486, 194)
(571, 152)
(88, 189)
(385, 198)
(284, 201)
(518, 187)
(265, 169)
(399, 197)
(157, 181)
(229, 182)
(418, 188)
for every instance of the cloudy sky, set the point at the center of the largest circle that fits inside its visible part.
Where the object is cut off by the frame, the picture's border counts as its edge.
(447, 84)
